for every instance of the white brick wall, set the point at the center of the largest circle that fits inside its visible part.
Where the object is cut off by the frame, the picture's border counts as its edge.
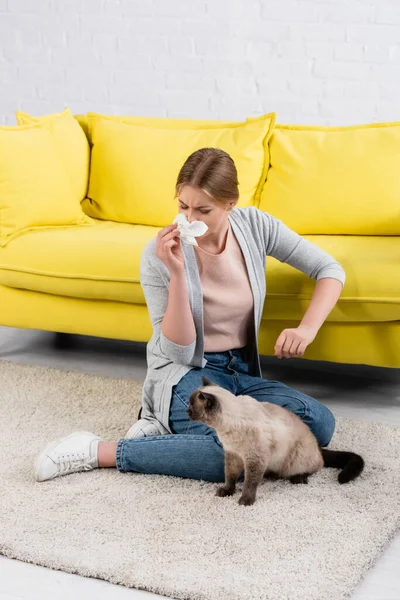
(313, 61)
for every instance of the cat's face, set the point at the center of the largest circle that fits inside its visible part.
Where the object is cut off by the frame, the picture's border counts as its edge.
(204, 405)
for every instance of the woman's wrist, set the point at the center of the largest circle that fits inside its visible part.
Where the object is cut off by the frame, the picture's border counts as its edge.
(178, 276)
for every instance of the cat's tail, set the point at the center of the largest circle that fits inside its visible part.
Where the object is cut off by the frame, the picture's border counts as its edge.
(351, 464)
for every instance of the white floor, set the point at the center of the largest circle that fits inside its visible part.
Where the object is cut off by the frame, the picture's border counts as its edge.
(355, 391)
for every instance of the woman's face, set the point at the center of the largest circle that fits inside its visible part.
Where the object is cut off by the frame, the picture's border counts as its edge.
(197, 205)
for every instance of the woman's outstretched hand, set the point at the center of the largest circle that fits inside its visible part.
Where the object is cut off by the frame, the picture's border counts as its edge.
(292, 342)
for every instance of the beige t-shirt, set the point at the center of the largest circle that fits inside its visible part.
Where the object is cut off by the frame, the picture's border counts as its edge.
(228, 302)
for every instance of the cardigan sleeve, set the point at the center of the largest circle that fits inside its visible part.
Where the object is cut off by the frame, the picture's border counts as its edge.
(156, 290)
(289, 247)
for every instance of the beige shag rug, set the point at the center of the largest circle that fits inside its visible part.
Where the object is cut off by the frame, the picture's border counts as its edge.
(173, 536)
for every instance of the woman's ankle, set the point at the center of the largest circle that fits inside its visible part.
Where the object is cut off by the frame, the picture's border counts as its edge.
(107, 454)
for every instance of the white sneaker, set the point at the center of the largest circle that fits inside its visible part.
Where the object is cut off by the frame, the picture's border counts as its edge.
(75, 452)
(142, 428)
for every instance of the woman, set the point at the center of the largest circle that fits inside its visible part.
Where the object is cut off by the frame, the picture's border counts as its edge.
(205, 304)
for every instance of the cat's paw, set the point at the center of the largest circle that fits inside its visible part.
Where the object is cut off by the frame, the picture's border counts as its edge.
(223, 491)
(246, 500)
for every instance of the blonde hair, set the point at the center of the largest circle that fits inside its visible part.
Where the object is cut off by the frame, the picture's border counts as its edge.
(213, 171)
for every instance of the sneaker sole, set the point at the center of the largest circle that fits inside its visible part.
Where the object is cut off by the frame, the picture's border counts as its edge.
(50, 446)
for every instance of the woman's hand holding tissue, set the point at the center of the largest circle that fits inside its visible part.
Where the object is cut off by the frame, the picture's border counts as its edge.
(168, 249)
(168, 246)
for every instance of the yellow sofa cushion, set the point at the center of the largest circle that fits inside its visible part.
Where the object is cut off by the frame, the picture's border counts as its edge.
(335, 180)
(371, 292)
(98, 262)
(134, 168)
(102, 262)
(85, 121)
(72, 145)
(35, 190)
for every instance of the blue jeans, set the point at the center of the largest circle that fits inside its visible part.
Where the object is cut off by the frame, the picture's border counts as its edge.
(194, 451)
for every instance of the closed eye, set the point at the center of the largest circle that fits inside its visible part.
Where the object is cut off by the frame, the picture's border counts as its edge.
(203, 212)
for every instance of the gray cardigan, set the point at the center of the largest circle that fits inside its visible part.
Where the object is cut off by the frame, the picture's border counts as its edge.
(259, 235)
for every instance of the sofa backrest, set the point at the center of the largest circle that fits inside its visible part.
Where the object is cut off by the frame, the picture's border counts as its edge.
(321, 179)
(335, 180)
(135, 162)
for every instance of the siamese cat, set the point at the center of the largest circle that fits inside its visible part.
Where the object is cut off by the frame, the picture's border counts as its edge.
(265, 440)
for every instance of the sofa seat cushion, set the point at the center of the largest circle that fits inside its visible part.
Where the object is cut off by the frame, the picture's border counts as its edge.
(371, 291)
(103, 262)
(99, 262)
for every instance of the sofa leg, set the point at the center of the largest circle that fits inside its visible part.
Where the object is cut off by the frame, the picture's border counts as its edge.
(63, 341)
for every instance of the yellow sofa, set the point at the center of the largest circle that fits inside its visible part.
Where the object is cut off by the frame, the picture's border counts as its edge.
(84, 278)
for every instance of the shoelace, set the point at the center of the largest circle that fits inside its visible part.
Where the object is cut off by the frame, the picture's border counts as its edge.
(67, 462)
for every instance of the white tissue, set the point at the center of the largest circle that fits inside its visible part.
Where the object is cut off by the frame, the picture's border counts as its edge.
(189, 231)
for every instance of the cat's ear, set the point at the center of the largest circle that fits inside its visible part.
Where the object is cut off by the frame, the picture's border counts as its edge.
(206, 381)
(210, 400)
